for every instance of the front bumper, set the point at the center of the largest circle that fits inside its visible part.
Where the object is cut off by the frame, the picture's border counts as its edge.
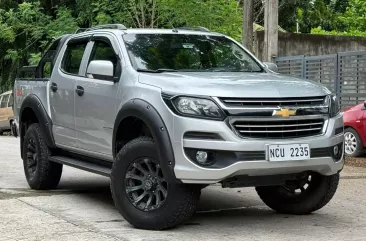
(190, 172)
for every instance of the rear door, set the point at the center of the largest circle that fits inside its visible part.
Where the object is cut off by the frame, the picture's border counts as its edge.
(95, 110)
(65, 75)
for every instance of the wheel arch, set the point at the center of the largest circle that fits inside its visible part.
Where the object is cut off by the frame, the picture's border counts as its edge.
(33, 111)
(144, 111)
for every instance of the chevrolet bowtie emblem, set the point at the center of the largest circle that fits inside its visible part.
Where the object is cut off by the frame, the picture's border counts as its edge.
(284, 112)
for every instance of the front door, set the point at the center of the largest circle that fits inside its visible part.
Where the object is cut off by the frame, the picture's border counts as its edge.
(62, 91)
(95, 109)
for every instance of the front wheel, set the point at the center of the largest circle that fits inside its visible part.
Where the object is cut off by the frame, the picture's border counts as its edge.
(303, 196)
(142, 194)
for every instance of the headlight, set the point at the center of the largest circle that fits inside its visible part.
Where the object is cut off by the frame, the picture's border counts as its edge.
(196, 107)
(334, 107)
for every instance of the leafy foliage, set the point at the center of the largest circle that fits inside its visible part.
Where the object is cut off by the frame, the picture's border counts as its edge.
(28, 26)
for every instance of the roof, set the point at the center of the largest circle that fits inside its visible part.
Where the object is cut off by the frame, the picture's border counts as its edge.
(120, 28)
(154, 31)
(168, 31)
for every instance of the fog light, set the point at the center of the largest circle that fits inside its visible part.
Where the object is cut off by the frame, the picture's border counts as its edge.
(201, 157)
(338, 152)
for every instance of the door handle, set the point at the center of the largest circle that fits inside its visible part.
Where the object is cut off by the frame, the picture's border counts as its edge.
(54, 87)
(79, 90)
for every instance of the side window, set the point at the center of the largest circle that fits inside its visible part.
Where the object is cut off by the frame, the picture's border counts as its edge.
(11, 101)
(46, 64)
(47, 70)
(4, 101)
(104, 51)
(72, 57)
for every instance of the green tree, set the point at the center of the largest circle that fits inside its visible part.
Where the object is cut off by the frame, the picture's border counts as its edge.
(355, 16)
(26, 31)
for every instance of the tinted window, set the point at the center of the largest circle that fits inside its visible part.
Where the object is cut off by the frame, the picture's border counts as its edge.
(73, 56)
(46, 63)
(103, 51)
(4, 101)
(196, 53)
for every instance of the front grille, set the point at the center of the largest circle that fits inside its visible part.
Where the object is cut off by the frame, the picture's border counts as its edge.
(273, 102)
(278, 129)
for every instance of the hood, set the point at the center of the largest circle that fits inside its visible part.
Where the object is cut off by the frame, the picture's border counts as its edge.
(353, 108)
(220, 84)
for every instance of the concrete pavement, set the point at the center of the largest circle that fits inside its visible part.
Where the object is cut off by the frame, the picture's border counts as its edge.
(82, 209)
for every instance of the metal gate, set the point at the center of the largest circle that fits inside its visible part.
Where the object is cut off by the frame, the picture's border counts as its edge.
(343, 73)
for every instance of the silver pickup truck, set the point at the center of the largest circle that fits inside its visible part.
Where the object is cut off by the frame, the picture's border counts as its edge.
(165, 113)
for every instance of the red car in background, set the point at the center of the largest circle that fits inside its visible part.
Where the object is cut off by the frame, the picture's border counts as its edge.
(355, 130)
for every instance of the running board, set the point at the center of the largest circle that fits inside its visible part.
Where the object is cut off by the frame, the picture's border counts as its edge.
(94, 167)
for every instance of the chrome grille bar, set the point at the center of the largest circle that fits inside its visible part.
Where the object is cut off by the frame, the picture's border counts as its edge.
(278, 128)
(268, 126)
(281, 131)
(270, 101)
(304, 102)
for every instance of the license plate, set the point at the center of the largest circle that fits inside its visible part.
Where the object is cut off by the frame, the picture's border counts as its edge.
(291, 152)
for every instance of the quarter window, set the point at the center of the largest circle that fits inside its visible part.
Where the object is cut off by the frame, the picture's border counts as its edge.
(73, 57)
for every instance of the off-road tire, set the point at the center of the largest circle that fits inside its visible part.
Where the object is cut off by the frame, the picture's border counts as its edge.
(46, 174)
(318, 195)
(359, 145)
(181, 201)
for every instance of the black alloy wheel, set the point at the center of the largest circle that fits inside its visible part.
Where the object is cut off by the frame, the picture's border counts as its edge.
(146, 186)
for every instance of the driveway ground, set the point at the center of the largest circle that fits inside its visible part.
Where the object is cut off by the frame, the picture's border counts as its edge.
(82, 209)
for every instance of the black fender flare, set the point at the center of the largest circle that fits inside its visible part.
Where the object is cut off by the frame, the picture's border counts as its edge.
(45, 122)
(147, 113)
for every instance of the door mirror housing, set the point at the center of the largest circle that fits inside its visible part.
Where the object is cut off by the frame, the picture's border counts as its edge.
(271, 66)
(364, 104)
(100, 69)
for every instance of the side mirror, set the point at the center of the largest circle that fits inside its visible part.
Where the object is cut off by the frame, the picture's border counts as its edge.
(364, 104)
(271, 66)
(100, 69)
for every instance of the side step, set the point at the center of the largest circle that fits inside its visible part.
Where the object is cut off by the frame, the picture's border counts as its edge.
(94, 167)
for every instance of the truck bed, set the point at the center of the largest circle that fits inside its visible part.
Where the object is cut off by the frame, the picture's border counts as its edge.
(25, 87)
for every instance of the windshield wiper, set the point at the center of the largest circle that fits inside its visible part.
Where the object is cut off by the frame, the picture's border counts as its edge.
(156, 70)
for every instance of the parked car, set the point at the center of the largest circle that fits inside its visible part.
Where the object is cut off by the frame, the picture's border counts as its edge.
(6, 111)
(166, 112)
(355, 130)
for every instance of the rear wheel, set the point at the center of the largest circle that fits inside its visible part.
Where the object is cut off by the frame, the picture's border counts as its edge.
(39, 171)
(142, 194)
(353, 143)
(303, 196)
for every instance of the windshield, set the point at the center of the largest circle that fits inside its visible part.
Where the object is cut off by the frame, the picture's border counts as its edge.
(195, 53)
